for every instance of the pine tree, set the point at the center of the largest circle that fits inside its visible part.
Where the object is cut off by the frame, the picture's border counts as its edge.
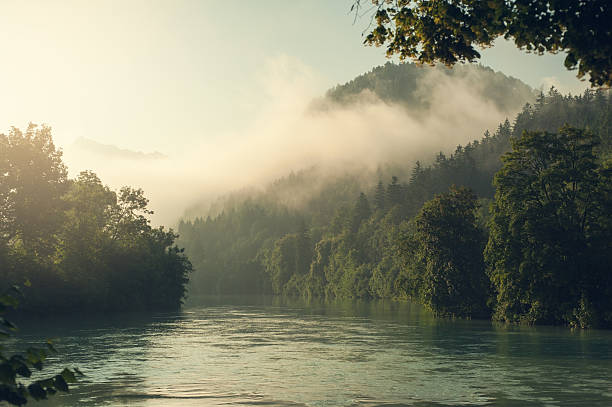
(361, 212)
(379, 198)
(394, 192)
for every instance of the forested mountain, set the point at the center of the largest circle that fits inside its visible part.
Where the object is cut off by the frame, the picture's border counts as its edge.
(408, 85)
(354, 238)
(406, 91)
(83, 145)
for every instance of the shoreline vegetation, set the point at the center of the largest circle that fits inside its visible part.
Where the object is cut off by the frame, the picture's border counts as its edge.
(78, 244)
(535, 238)
(514, 226)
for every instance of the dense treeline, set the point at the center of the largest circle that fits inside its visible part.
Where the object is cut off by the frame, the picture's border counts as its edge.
(229, 245)
(78, 244)
(424, 239)
(550, 244)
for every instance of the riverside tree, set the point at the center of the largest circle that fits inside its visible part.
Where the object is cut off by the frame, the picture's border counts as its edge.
(33, 179)
(449, 247)
(80, 244)
(550, 244)
(356, 256)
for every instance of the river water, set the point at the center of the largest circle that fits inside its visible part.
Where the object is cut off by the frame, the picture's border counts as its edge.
(270, 352)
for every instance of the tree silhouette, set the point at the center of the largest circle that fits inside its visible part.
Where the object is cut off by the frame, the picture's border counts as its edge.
(449, 31)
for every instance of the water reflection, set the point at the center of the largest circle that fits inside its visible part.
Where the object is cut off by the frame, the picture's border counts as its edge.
(278, 352)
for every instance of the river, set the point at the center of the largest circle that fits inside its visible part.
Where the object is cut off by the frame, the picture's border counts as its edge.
(271, 352)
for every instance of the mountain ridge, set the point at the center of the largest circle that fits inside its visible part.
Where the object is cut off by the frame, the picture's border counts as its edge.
(91, 146)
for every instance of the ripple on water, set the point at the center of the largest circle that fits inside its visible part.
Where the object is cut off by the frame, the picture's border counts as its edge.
(364, 354)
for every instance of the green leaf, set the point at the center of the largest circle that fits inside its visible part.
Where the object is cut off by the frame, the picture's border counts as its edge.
(60, 383)
(16, 398)
(37, 391)
(7, 374)
(5, 322)
(22, 370)
(68, 375)
(9, 300)
(46, 383)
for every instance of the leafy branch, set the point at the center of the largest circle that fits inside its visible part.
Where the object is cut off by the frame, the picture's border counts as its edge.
(15, 369)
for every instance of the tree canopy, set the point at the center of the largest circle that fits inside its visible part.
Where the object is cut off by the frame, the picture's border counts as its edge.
(450, 31)
(408, 236)
(82, 245)
(449, 245)
(549, 248)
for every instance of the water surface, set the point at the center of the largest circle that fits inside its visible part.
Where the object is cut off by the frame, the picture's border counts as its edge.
(254, 352)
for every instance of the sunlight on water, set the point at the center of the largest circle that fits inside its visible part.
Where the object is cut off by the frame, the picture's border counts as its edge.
(278, 353)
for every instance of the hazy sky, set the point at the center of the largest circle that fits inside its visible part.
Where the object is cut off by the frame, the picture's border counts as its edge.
(170, 75)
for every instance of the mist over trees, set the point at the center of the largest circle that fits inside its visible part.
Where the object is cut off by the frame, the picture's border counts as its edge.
(530, 244)
(407, 233)
(79, 245)
(407, 85)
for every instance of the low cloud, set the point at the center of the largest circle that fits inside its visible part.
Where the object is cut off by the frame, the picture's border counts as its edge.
(291, 133)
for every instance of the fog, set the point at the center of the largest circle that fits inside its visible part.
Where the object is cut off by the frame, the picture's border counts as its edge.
(295, 128)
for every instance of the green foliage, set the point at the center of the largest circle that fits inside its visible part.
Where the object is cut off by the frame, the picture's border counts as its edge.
(289, 259)
(360, 213)
(401, 84)
(81, 245)
(228, 250)
(448, 243)
(32, 181)
(450, 31)
(549, 248)
(380, 196)
(363, 239)
(16, 368)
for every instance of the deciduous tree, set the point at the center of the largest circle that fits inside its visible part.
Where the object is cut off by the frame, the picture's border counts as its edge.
(451, 31)
(449, 245)
(550, 242)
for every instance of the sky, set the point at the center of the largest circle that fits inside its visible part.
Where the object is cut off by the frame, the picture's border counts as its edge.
(163, 75)
(182, 76)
